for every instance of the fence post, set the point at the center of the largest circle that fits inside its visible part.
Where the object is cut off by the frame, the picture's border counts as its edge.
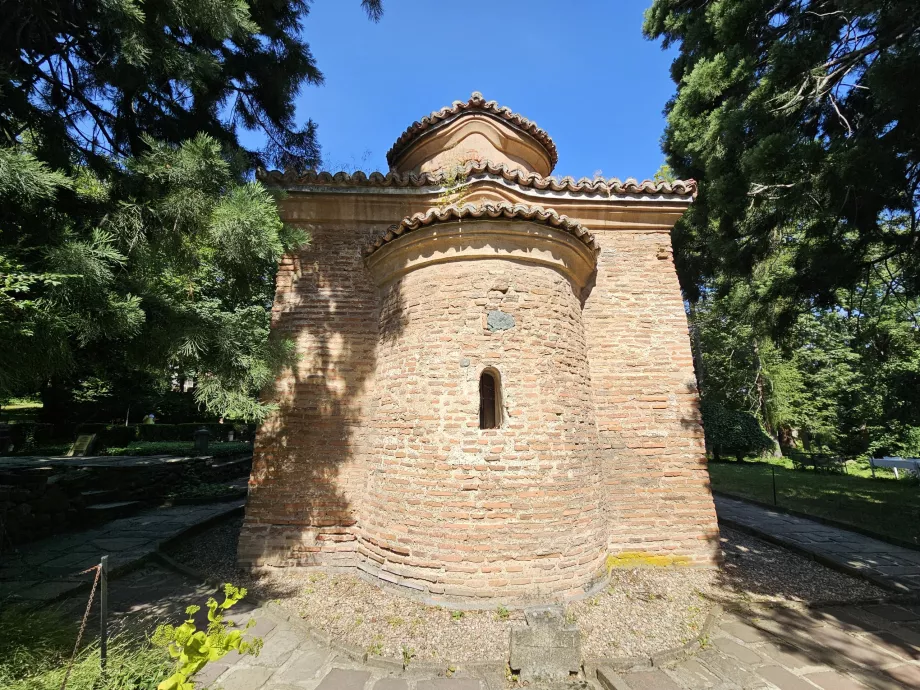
(773, 470)
(104, 612)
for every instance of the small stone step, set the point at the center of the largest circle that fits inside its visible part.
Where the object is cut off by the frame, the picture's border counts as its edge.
(96, 496)
(103, 512)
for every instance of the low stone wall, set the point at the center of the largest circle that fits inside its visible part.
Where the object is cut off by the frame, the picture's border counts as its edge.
(47, 499)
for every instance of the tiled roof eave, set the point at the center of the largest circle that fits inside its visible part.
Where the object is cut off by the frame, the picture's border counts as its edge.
(476, 103)
(483, 170)
(502, 210)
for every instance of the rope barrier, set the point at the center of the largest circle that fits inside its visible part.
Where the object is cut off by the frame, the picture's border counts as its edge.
(76, 647)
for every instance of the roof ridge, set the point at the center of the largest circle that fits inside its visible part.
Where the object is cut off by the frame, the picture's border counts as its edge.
(597, 185)
(488, 210)
(478, 103)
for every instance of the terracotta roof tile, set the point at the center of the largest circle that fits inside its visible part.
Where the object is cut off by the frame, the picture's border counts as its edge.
(487, 211)
(473, 168)
(476, 104)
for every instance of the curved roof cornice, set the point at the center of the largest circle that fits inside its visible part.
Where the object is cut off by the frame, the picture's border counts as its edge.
(476, 104)
(514, 175)
(488, 211)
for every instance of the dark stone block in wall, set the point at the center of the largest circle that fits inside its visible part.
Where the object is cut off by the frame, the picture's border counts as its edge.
(499, 321)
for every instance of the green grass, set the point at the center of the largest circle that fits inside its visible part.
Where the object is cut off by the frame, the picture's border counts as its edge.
(35, 648)
(20, 410)
(883, 505)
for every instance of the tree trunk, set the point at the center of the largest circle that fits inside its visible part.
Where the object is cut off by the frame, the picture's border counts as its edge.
(762, 402)
(57, 401)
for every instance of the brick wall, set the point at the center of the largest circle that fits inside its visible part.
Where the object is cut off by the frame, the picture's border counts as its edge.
(456, 510)
(375, 458)
(656, 494)
(309, 468)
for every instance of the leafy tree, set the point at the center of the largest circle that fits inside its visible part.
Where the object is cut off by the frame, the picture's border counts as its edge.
(134, 246)
(798, 119)
(87, 81)
(845, 378)
(799, 257)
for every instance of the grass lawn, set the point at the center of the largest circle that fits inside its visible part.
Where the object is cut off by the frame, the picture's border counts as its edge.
(884, 505)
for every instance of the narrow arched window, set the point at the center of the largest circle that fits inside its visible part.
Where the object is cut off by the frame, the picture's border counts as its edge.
(489, 400)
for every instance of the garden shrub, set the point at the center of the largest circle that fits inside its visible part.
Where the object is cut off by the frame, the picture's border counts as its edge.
(180, 448)
(27, 435)
(110, 434)
(731, 432)
(182, 432)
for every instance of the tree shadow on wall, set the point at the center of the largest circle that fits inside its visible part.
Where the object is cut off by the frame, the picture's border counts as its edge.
(311, 455)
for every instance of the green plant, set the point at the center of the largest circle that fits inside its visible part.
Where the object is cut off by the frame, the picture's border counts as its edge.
(408, 654)
(36, 646)
(455, 184)
(395, 621)
(502, 613)
(451, 670)
(375, 648)
(193, 648)
(180, 448)
(456, 615)
(570, 617)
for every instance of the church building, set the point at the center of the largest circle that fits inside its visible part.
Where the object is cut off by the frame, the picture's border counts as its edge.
(494, 399)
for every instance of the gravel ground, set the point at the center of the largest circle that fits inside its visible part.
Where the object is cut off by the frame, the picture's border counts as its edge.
(755, 571)
(641, 612)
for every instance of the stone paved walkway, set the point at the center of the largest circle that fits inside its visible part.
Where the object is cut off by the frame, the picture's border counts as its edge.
(46, 569)
(837, 648)
(833, 649)
(893, 567)
(292, 660)
(844, 648)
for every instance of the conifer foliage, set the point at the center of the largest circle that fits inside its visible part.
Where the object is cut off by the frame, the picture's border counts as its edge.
(134, 244)
(798, 118)
(800, 258)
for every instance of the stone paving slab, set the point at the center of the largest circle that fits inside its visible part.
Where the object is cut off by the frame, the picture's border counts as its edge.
(778, 649)
(49, 569)
(894, 567)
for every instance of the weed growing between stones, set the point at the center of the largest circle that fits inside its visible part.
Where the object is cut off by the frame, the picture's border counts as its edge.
(193, 649)
(408, 654)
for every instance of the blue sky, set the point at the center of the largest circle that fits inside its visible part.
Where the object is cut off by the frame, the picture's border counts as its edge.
(580, 69)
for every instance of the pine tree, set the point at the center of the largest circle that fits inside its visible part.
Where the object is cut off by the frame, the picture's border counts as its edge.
(134, 246)
(798, 120)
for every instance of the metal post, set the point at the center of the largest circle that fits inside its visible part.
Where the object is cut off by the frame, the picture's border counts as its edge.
(104, 612)
(773, 469)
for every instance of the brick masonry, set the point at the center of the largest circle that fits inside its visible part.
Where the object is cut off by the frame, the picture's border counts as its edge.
(375, 459)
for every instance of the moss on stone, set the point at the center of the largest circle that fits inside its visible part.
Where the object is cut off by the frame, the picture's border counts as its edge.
(641, 559)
